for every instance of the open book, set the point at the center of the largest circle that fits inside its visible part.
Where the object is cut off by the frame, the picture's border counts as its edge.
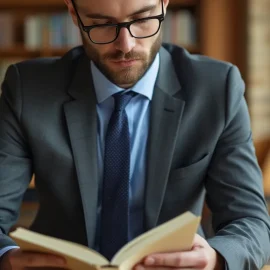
(174, 235)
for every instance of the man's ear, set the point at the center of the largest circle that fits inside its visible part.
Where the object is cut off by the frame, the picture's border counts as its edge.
(71, 11)
(165, 3)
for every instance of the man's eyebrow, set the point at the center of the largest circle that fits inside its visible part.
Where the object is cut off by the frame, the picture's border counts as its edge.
(100, 16)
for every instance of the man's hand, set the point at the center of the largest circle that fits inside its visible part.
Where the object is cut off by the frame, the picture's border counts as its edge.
(201, 257)
(16, 259)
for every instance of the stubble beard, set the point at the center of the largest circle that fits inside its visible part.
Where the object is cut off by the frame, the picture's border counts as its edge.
(126, 76)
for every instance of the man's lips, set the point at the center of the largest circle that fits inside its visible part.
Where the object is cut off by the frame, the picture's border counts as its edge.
(124, 60)
(127, 62)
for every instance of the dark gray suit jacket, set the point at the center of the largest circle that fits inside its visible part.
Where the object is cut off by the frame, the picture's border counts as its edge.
(200, 144)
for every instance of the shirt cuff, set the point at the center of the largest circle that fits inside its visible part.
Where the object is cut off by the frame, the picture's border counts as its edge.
(6, 249)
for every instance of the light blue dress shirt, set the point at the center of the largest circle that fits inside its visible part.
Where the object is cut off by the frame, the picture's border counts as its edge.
(138, 113)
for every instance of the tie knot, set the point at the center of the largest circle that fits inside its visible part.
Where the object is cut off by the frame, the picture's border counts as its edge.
(121, 100)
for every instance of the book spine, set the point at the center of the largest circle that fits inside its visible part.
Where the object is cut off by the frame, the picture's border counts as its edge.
(109, 267)
(179, 28)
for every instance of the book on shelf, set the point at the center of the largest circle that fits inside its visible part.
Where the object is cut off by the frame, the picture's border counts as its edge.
(176, 234)
(179, 27)
(55, 30)
(6, 29)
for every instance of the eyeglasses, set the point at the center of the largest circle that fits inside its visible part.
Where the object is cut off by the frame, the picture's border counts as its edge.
(108, 33)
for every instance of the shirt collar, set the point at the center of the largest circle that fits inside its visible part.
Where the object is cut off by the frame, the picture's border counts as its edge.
(105, 88)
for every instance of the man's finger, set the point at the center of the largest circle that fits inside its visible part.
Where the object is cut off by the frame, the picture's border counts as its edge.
(141, 267)
(194, 258)
(33, 259)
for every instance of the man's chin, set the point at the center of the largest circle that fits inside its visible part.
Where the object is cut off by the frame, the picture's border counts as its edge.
(124, 81)
(124, 76)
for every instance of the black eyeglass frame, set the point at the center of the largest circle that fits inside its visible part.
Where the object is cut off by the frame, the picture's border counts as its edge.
(118, 26)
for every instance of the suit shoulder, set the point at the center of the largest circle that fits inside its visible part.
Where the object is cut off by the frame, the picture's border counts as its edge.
(51, 69)
(201, 72)
(70, 56)
(206, 81)
(201, 63)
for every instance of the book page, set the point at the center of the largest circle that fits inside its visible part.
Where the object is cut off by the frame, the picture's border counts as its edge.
(174, 235)
(77, 256)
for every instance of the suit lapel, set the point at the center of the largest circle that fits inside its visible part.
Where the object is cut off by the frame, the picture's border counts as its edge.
(82, 126)
(166, 113)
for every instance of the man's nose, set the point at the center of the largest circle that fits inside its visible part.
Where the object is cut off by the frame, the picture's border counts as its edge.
(125, 42)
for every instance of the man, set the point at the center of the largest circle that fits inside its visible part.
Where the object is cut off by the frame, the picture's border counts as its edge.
(111, 166)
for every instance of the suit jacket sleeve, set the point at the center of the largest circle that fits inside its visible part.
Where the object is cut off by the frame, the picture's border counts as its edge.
(15, 160)
(234, 188)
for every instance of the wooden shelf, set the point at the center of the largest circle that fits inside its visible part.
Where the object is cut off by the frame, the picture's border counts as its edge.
(32, 183)
(28, 212)
(192, 49)
(183, 3)
(20, 52)
(25, 4)
(53, 4)
(54, 51)
(17, 52)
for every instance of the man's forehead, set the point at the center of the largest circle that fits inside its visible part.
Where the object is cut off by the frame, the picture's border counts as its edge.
(116, 8)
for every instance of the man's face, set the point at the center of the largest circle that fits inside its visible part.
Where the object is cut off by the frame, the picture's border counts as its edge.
(125, 60)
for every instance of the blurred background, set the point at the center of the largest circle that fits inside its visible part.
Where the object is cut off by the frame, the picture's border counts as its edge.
(237, 31)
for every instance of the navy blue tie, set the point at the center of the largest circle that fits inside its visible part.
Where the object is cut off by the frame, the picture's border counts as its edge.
(115, 195)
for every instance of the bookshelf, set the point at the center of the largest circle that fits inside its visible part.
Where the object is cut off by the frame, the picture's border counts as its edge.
(21, 38)
(52, 4)
(24, 46)
(31, 4)
(220, 33)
